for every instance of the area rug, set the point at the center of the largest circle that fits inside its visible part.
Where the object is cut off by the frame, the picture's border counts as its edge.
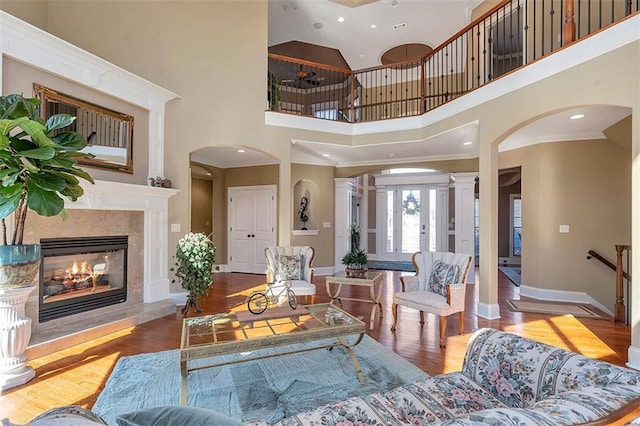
(268, 389)
(551, 308)
(512, 273)
(391, 265)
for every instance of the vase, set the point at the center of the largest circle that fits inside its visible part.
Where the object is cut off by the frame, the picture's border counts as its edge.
(19, 266)
(356, 273)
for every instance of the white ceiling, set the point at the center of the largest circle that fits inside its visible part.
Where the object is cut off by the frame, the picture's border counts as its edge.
(428, 21)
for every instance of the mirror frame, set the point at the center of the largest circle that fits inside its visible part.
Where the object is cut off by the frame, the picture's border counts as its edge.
(46, 94)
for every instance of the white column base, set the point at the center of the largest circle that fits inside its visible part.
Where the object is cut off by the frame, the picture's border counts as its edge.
(17, 377)
(634, 358)
(488, 311)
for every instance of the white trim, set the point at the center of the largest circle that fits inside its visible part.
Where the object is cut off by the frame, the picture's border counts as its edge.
(31, 45)
(307, 232)
(562, 296)
(180, 299)
(488, 311)
(634, 358)
(410, 179)
(511, 198)
(326, 270)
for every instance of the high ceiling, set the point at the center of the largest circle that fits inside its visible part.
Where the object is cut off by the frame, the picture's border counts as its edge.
(426, 21)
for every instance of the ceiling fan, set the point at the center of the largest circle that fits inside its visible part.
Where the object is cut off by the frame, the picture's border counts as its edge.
(306, 77)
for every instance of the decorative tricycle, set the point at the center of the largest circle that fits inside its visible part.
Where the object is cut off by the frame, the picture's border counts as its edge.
(258, 301)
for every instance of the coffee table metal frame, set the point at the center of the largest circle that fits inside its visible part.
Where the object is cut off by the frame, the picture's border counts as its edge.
(371, 279)
(219, 334)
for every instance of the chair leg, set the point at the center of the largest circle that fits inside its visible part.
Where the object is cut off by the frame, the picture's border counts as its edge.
(394, 310)
(421, 317)
(313, 299)
(461, 319)
(443, 326)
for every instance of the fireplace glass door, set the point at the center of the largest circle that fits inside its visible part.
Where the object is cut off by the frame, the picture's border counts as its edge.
(81, 274)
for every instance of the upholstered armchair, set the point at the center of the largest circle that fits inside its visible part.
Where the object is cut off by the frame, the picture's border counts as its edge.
(293, 264)
(439, 288)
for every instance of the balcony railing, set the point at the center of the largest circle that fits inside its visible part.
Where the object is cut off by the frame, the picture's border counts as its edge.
(509, 36)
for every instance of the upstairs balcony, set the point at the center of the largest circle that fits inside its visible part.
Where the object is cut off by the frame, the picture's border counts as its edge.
(510, 36)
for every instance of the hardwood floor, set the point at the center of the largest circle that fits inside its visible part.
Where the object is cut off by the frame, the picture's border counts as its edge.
(77, 375)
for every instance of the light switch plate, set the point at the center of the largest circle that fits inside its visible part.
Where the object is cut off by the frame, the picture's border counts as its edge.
(564, 229)
(326, 224)
(175, 227)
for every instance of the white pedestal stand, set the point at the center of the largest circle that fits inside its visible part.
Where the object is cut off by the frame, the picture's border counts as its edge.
(15, 332)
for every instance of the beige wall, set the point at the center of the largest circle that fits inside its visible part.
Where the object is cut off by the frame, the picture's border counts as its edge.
(202, 207)
(504, 218)
(583, 184)
(19, 78)
(32, 11)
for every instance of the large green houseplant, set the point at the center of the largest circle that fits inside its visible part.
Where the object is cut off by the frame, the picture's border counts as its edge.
(38, 167)
(195, 257)
(355, 261)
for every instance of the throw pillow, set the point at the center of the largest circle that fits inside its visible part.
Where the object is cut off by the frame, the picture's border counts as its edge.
(442, 275)
(288, 267)
(175, 415)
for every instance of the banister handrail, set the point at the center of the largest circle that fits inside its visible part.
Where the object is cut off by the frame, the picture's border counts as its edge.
(593, 253)
(510, 35)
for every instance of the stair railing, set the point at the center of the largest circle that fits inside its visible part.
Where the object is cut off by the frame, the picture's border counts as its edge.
(620, 313)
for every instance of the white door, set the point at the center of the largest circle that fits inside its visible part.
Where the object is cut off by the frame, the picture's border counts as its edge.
(252, 227)
(410, 221)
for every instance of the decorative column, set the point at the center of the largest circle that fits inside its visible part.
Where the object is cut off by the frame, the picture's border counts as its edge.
(15, 332)
(464, 187)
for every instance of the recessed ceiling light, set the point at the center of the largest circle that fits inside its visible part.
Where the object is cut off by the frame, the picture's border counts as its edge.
(208, 173)
(341, 19)
(241, 150)
(374, 26)
(576, 117)
(467, 143)
(318, 25)
(325, 155)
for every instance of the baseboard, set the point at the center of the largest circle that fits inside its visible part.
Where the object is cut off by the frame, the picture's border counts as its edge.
(509, 261)
(562, 296)
(634, 358)
(488, 311)
(326, 270)
(223, 268)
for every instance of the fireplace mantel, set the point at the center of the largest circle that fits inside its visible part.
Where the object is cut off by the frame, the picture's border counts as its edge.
(154, 202)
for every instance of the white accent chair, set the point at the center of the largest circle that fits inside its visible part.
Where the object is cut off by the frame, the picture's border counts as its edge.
(439, 287)
(293, 264)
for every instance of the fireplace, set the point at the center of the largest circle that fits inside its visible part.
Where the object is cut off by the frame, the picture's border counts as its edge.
(81, 274)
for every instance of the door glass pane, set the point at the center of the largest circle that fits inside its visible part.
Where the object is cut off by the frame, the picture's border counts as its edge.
(432, 220)
(390, 205)
(517, 226)
(476, 222)
(410, 221)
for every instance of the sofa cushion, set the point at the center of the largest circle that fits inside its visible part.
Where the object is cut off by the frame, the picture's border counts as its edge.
(373, 409)
(503, 417)
(442, 275)
(69, 415)
(587, 404)
(175, 415)
(441, 397)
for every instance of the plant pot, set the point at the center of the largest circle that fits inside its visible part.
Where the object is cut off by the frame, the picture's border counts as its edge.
(355, 273)
(19, 265)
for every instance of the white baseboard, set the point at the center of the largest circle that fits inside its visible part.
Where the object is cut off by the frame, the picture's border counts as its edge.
(326, 270)
(562, 296)
(488, 311)
(634, 358)
(223, 268)
(180, 299)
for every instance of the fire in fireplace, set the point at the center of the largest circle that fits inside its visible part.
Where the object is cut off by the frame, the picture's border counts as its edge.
(81, 274)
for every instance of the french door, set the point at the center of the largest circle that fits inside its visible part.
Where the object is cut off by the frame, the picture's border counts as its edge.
(410, 221)
(252, 227)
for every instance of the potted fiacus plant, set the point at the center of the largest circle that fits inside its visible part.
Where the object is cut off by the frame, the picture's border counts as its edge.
(195, 257)
(37, 169)
(355, 261)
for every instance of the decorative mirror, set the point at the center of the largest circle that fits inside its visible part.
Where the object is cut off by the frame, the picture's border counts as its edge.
(109, 133)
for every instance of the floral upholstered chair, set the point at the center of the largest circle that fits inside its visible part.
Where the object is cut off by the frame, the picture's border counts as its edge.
(292, 264)
(438, 287)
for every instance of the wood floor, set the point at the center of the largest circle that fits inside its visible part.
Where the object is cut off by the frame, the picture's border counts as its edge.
(77, 375)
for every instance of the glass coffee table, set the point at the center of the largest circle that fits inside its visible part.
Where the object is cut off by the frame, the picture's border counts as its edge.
(210, 336)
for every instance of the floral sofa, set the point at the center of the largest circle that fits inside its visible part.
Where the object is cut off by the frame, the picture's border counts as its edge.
(505, 380)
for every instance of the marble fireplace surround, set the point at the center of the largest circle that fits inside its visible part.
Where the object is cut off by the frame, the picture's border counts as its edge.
(110, 208)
